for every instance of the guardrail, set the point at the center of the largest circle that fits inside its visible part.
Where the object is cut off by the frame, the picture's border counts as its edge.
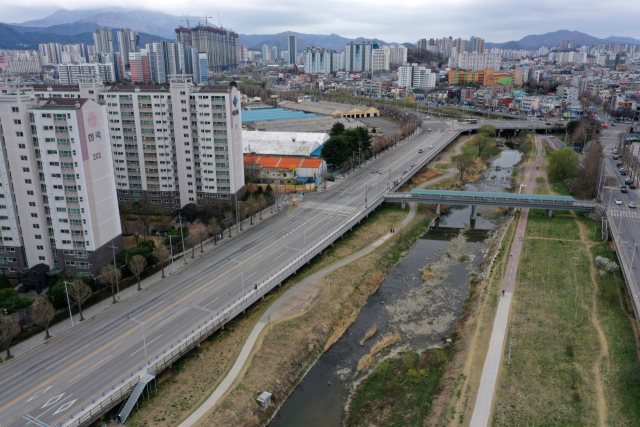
(109, 396)
(501, 201)
(625, 265)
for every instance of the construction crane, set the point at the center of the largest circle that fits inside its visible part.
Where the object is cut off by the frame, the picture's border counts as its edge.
(220, 20)
(188, 25)
(206, 20)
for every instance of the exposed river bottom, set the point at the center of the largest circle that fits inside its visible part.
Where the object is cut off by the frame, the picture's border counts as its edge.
(422, 311)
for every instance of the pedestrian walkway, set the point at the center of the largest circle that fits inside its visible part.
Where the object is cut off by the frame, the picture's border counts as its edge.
(342, 209)
(624, 214)
(271, 314)
(484, 400)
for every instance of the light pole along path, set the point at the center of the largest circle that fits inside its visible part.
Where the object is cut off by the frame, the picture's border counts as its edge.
(484, 399)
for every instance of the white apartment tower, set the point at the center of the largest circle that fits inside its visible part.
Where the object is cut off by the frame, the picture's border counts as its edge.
(58, 190)
(173, 144)
(417, 77)
(103, 40)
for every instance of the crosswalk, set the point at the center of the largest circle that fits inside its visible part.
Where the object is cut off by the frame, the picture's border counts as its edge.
(624, 214)
(341, 209)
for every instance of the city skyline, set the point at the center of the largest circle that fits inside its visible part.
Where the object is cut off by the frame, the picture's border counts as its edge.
(408, 21)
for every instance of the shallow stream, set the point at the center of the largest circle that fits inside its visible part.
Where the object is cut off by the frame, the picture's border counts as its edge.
(424, 312)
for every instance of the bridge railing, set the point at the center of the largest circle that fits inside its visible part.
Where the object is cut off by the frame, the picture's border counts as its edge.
(160, 360)
(493, 200)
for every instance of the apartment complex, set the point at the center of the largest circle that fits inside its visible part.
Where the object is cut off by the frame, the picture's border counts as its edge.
(475, 61)
(220, 45)
(172, 145)
(103, 40)
(58, 195)
(293, 49)
(70, 74)
(359, 56)
(417, 77)
(318, 60)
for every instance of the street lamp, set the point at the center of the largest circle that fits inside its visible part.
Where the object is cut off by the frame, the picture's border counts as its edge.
(68, 301)
(184, 250)
(173, 268)
(241, 274)
(144, 340)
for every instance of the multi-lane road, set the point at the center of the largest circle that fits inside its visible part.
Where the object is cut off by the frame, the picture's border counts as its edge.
(51, 381)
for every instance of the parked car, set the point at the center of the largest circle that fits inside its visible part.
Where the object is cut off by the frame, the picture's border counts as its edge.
(623, 172)
(628, 181)
(615, 157)
(431, 146)
(429, 129)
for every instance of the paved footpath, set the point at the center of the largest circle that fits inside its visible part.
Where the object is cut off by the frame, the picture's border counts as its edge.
(484, 399)
(277, 311)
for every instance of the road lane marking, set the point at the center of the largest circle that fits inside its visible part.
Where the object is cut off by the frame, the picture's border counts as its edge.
(142, 348)
(35, 421)
(10, 378)
(280, 255)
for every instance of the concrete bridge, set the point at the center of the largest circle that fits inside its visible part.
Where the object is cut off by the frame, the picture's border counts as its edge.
(473, 199)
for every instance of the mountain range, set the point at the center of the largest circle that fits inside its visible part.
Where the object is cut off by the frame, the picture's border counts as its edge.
(76, 26)
(554, 38)
(15, 37)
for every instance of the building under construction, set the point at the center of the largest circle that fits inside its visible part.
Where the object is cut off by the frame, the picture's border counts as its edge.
(220, 45)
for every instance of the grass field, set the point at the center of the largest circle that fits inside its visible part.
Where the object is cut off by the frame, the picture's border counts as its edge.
(574, 355)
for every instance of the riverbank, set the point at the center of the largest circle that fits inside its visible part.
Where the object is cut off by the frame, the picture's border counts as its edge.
(190, 382)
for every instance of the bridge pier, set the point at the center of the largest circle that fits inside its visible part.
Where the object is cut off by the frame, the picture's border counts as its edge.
(549, 213)
(474, 212)
(511, 211)
(438, 209)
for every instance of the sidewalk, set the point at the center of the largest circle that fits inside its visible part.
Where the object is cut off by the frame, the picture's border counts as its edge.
(95, 310)
(276, 312)
(483, 406)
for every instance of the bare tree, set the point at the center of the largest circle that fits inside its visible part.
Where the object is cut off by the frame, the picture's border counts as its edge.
(8, 330)
(214, 229)
(144, 213)
(228, 219)
(161, 254)
(463, 162)
(43, 313)
(137, 264)
(79, 293)
(193, 239)
(111, 276)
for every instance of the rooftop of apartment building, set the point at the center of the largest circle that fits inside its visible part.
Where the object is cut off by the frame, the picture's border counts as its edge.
(61, 104)
(55, 88)
(164, 87)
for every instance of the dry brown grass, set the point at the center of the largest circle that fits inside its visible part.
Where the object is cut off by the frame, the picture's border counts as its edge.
(369, 334)
(364, 364)
(386, 342)
(427, 274)
(425, 175)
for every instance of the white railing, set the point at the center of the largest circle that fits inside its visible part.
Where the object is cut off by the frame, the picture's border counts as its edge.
(625, 264)
(106, 397)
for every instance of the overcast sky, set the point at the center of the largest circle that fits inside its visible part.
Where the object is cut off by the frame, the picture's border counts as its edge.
(392, 21)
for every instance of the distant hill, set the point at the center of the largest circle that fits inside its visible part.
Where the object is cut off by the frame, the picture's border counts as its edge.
(62, 29)
(331, 41)
(140, 20)
(628, 40)
(548, 40)
(10, 38)
(64, 16)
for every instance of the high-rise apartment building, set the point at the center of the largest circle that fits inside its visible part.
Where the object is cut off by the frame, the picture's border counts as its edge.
(128, 41)
(139, 64)
(59, 201)
(397, 54)
(243, 53)
(103, 40)
(359, 57)
(275, 53)
(70, 74)
(266, 53)
(422, 44)
(220, 45)
(293, 48)
(380, 60)
(475, 61)
(173, 144)
(417, 77)
(318, 60)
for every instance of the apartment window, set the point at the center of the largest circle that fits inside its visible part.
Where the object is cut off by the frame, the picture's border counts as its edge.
(15, 109)
(36, 225)
(40, 248)
(22, 146)
(17, 122)
(19, 134)
(41, 258)
(27, 181)
(34, 215)
(29, 193)
(38, 237)
(24, 158)
(32, 204)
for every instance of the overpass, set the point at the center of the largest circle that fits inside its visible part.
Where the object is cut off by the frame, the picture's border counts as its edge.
(503, 200)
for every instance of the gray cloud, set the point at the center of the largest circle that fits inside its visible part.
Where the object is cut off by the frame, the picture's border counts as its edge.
(400, 21)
